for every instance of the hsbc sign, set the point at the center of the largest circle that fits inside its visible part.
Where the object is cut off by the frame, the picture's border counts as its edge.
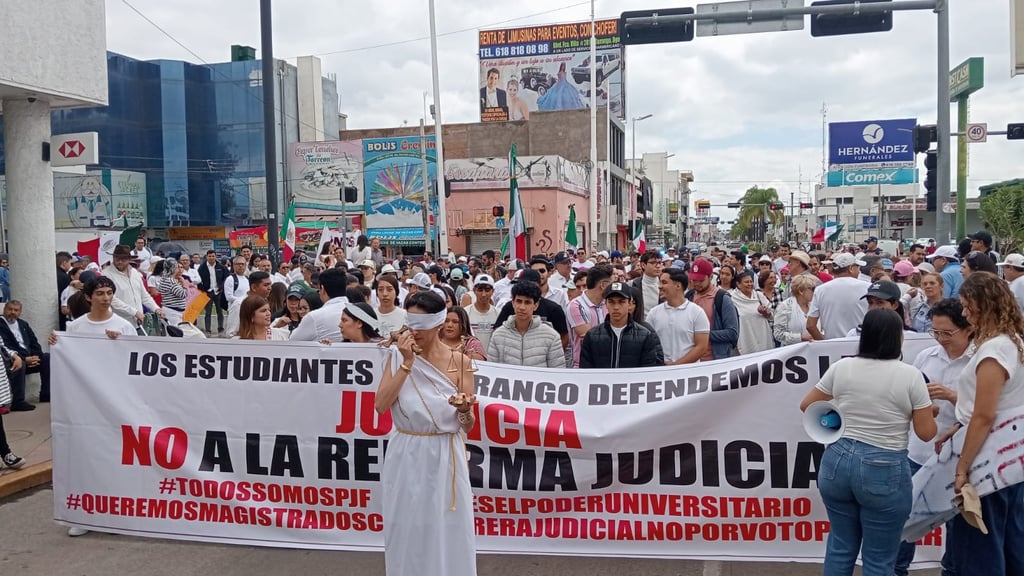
(75, 149)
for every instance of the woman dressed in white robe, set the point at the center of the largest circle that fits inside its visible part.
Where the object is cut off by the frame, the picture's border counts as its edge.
(427, 499)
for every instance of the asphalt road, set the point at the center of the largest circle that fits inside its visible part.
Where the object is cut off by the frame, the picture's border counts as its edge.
(32, 545)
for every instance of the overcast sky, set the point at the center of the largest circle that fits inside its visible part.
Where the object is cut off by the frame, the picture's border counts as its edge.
(736, 110)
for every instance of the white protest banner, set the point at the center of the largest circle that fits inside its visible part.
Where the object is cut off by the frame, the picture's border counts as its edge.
(278, 444)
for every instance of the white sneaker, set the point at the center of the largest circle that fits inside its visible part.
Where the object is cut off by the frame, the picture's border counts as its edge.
(13, 461)
(76, 531)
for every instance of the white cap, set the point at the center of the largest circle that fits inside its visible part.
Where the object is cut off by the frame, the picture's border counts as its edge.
(368, 264)
(845, 260)
(1015, 260)
(483, 279)
(463, 259)
(602, 253)
(926, 268)
(388, 268)
(421, 280)
(765, 258)
(947, 252)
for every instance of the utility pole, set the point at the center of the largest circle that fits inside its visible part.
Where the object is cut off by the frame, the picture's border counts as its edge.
(269, 143)
(442, 214)
(428, 243)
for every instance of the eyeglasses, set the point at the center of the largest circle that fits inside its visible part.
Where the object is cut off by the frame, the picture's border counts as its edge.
(944, 334)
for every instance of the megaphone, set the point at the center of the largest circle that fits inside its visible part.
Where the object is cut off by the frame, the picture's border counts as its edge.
(823, 422)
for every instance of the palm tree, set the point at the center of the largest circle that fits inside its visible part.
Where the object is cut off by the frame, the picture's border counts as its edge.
(750, 220)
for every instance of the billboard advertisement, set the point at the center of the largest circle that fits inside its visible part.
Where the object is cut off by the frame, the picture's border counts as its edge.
(96, 199)
(318, 170)
(523, 70)
(872, 177)
(871, 144)
(531, 172)
(393, 183)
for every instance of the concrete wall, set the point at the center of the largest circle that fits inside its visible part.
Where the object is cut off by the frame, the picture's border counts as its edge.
(311, 99)
(56, 49)
(563, 133)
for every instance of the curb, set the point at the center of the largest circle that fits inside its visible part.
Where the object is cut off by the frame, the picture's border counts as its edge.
(26, 478)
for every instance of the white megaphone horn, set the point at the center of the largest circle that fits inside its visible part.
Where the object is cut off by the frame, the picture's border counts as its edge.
(823, 422)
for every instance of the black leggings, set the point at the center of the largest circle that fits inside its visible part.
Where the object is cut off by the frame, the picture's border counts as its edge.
(4, 448)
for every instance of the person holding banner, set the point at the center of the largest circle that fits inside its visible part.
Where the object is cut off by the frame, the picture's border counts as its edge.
(427, 498)
(359, 323)
(254, 320)
(864, 476)
(992, 382)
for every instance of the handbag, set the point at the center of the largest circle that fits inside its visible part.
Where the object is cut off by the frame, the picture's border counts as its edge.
(153, 325)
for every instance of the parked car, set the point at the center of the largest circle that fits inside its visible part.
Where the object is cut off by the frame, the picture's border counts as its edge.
(606, 64)
(536, 79)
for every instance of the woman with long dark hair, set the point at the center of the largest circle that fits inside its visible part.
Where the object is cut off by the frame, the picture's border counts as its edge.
(864, 476)
(427, 499)
(254, 321)
(992, 382)
(457, 335)
(389, 310)
(359, 323)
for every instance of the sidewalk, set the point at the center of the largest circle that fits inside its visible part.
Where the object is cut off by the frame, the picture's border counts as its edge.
(28, 433)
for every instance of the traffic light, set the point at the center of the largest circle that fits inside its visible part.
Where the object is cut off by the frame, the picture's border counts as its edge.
(838, 24)
(1015, 131)
(498, 211)
(736, 205)
(656, 33)
(776, 206)
(924, 136)
(349, 194)
(806, 205)
(931, 163)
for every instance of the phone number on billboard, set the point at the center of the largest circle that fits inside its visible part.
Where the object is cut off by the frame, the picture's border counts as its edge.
(515, 50)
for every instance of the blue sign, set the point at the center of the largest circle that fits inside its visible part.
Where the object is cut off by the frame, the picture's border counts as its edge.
(498, 222)
(871, 142)
(870, 222)
(873, 177)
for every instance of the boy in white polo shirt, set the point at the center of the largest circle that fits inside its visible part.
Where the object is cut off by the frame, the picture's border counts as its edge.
(681, 325)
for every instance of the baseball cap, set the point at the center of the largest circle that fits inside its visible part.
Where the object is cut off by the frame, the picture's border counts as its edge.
(884, 290)
(982, 236)
(420, 279)
(516, 264)
(528, 274)
(620, 289)
(456, 274)
(773, 248)
(947, 252)
(295, 291)
(368, 264)
(561, 257)
(602, 253)
(700, 269)
(871, 239)
(388, 269)
(904, 268)
(765, 258)
(845, 260)
(617, 254)
(1015, 260)
(800, 255)
(541, 260)
(887, 264)
(462, 259)
(484, 279)
(926, 268)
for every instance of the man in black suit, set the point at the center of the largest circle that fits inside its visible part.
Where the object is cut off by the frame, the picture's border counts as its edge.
(490, 95)
(19, 337)
(211, 280)
(63, 281)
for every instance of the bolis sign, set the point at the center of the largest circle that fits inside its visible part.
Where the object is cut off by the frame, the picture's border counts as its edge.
(884, 143)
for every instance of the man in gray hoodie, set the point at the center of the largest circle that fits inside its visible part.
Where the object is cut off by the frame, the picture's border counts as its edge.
(524, 339)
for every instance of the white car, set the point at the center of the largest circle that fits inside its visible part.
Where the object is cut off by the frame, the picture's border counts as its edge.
(926, 242)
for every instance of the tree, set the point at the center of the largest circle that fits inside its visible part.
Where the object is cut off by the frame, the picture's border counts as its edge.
(1003, 211)
(750, 220)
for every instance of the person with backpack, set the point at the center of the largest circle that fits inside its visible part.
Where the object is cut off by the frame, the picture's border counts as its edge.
(719, 308)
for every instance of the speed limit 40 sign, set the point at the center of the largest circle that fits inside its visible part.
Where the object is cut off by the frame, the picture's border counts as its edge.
(977, 133)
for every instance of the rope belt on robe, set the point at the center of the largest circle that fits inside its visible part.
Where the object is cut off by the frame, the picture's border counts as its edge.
(455, 454)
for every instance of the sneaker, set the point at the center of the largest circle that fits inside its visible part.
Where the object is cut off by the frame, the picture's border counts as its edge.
(23, 407)
(12, 460)
(76, 531)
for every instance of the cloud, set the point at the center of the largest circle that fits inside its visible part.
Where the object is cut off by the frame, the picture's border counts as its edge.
(737, 110)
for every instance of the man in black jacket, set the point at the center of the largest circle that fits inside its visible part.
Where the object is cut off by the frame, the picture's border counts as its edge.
(211, 280)
(19, 337)
(620, 342)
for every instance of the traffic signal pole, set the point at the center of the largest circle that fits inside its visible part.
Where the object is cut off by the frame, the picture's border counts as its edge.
(942, 126)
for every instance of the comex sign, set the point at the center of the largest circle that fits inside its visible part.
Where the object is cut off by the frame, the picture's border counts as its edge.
(871, 177)
(888, 143)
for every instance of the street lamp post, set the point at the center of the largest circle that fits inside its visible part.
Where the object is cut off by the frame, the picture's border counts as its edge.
(632, 170)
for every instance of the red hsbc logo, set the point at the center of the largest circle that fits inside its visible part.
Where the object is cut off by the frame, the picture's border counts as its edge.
(71, 149)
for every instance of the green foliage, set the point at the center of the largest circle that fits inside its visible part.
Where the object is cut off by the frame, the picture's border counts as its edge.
(751, 214)
(1003, 211)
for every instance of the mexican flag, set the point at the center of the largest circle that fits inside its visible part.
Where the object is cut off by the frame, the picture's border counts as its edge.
(639, 238)
(516, 224)
(828, 233)
(288, 235)
(571, 238)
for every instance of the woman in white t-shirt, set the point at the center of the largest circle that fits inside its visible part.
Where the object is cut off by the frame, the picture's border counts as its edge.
(361, 251)
(992, 382)
(390, 314)
(864, 477)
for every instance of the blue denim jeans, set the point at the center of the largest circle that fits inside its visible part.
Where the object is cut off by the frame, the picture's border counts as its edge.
(867, 493)
(907, 549)
(1001, 551)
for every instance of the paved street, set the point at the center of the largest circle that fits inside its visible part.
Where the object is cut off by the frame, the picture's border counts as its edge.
(34, 546)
